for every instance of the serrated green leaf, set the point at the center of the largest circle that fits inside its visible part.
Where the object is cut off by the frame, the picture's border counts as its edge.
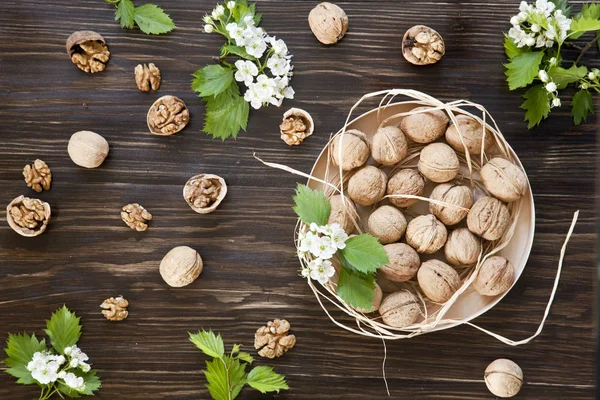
(356, 289)
(311, 205)
(63, 329)
(212, 80)
(236, 50)
(563, 6)
(152, 20)
(538, 19)
(583, 24)
(20, 350)
(537, 105)
(511, 49)
(581, 105)
(216, 375)
(523, 68)
(212, 345)
(589, 11)
(227, 121)
(125, 14)
(265, 380)
(365, 253)
(245, 357)
(237, 376)
(562, 77)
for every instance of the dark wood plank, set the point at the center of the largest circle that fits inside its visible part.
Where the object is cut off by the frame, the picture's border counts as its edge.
(250, 273)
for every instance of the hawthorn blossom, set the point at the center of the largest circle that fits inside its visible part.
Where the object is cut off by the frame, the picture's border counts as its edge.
(246, 71)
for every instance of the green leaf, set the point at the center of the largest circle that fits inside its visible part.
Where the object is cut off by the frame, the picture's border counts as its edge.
(562, 77)
(245, 357)
(210, 344)
(562, 5)
(237, 376)
(589, 11)
(582, 105)
(583, 24)
(264, 379)
(20, 350)
(523, 68)
(539, 19)
(537, 105)
(237, 50)
(125, 14)
(511, 49)
(212, 80)
(152, 20)
(220, 382)
(227, 121)
(356, 289)
(63, 329)
(365, 253)
(311, 205)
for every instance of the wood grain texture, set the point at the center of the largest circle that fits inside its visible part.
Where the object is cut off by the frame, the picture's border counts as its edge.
(250, 274)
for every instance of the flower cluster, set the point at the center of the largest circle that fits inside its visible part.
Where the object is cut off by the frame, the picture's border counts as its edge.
(47, 368)
(539, 25)
(321, 242)
(267, 68)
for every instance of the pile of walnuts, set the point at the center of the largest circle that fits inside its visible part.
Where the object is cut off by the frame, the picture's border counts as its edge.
(459, 220)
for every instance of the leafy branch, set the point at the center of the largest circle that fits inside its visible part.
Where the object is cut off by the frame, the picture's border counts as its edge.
(151, 19)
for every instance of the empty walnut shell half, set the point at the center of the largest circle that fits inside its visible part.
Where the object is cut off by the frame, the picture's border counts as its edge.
(296, 126)
(204, 192)
(328, 23)
(167, 116)
(88, 50)
(422, 45)
(28, 217)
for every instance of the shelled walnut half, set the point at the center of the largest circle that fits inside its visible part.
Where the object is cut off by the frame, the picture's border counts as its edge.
(147, 77)
(136, 217)
(28, 217)
(204, 192)
(422, 45)
(115, 308)
(88, 50)
(273, 340)
(38, 175)
(296, 126)
(167, 116)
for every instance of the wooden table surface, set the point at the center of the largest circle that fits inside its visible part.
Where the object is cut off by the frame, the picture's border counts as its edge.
(251, 272)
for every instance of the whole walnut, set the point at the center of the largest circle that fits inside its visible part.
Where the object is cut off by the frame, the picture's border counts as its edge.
(388, 145)
(400, 309)
(426, 234)
(343, 212)
(376, 301)
(425, 126)
(503, 378)
(438, 162)
(404, 263)
(496, 275)
(367, 186)
(355, 150)
(503, 179)
(462, 248)
(438, 280)
(328, 23)
(87, 149)
(488, 218)
(471, 132)
(451, 193)
(405, 182)
(387, 224)
(181, 266)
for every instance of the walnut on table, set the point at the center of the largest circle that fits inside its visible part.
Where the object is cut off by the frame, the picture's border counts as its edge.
(115, 308)
(296, 126)
(28, 217)
(88, 50)
(167, 116)
(204, 192)
(422, 45)
(38, 175)
(147, 77)
(273, 340)
(136, 217)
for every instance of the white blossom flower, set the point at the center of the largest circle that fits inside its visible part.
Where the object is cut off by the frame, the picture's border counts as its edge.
(77, 357)
(338, 236)
(306, 241)
(74, 382)
(249, 20)
(235, 32)
(265, 87)
(535, 28)
(529, 30)
(321, 270)
(592, 75)
(545, 7)
(85, 367)
(305, 272)
(62, 374)
(556, 102)
(543, 75)
(278, 45)
(207, 19)
(209, 28)
(68, 350)
(218, 11)
(252, 97)
(256, 46)
(324, 248)
(551, 87)
(246, 71)
(552, 61)
(278, 66)
(44, 367)
(231, 5)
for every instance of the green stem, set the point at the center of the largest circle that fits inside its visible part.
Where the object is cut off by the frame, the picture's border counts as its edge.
(586, 48)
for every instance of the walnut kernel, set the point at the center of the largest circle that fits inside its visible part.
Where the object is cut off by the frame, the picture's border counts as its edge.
(496, 275)
(404, 263)
(438, 162)
(296, 126)
(488, 218)
(387, 224)
(367, 186)
(328, 23)
(472, 135)
(438, 280)
(115, 308)
(167, 116)
(503, 378)
(388, 145)
(273, 340)
(355, 150)
(181, 266)
(451, 193)
(88, 51)
(405, 182)
(343, 213)
(400, 309)
(87, 149)
(424, 126)
(28, 217)
(38, 175)
(204, 192)
(426, 234)
(422, 45)
(503, 179)
(136, 217)
(147, 77)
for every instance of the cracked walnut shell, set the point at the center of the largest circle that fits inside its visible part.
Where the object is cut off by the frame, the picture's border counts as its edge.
(28, 217)
(167, 116)
(115, 308)
(38, 175)
(503, 378)
(274, 339)
(136, 217)
(181, 266)
(422, 45)
(88, 51)
(204, 192)
(296, 126)
(147, 77)
(328, 22)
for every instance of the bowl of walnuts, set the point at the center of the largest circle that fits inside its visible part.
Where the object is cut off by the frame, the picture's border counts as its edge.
(448, 198)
